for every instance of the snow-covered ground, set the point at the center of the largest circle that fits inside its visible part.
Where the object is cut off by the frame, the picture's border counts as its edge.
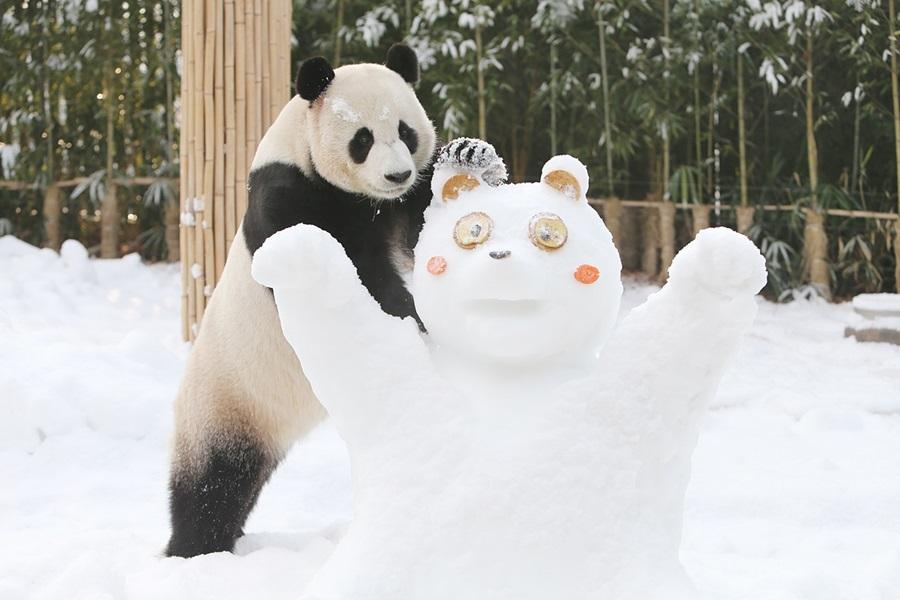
(795, 492)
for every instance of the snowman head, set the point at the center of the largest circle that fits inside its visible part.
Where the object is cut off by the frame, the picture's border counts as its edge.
(516, 273)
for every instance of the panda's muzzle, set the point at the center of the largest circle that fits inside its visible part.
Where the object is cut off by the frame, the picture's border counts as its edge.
(398, 177)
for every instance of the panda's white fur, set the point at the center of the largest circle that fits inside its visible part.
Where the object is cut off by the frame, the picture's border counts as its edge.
(244, 400)
(333, 119)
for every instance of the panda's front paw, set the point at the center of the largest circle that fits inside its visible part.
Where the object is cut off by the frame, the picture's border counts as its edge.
(475, 156)
(720, 260)
(308, 258)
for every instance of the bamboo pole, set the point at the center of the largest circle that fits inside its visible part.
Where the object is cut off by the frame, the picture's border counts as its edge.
(51, 217)
(235, 81)
(699, 217)
(666, 237)
(109, 206)
(612, 216)
(744, 218)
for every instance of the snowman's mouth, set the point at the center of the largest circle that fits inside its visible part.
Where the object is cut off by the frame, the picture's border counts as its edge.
(503, 308)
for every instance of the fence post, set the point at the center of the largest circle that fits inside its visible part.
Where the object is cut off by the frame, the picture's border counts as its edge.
(897, 255)
(649, 257)
(815, 251)
(236, 79)
(666, 237)
(612, 216)
(109, 221)
(172, 224)
(700, 217)
(744, 218)
(51, 216)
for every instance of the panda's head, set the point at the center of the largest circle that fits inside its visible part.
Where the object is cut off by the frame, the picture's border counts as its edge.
(367, 132)
(516, 273)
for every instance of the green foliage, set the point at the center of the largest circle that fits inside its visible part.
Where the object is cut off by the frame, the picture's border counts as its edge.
(680, 88)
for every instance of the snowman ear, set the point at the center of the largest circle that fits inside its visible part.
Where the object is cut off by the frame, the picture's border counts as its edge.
(447, 183)
(567, 175)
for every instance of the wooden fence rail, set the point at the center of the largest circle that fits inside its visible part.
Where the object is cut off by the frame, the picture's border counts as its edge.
(659, 231)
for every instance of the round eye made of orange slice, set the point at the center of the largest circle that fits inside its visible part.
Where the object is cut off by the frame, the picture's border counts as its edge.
(547, 231)
(472, 229)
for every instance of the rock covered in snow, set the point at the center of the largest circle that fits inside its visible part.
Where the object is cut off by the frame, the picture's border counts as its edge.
(522, 449)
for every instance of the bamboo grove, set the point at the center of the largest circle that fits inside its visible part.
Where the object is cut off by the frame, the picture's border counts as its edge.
(726, 103)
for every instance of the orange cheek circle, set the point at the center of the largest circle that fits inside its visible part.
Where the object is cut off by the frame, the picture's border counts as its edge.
(437, 265)
(587, 274)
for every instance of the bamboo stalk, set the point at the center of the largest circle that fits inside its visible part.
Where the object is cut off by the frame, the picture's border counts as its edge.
(240, 109)
(51, 217)
(184, 164)
(230, 134)
(215, 262)
(263, 40)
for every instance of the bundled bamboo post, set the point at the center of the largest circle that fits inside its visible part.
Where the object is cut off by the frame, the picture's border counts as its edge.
(666, 237)
(612, 216)
(235, 80)
(699, 217)
(51, 217)
(744, 218)
(815, 250)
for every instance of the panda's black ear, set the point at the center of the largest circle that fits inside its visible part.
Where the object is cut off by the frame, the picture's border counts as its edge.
(313, 77)
(403, 60)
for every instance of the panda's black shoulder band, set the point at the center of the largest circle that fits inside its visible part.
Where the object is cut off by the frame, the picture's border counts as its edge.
(403, 60)
(313, 77)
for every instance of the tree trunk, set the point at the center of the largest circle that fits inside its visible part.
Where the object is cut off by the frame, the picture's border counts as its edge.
(338, 24)
(744, 218)
(51, 217)
(710, 140)
(553, 98)
(482, 116)
(667, 151)
(742, 133)
(109, 207)
(698, 143)
(612, 216)
(172, 224)
(700, 217)
(607, 129)
(895, 101)
(51, 206)
(815, 243)
(815, 246)
(666, 238)
(812, 154)
(854, 168)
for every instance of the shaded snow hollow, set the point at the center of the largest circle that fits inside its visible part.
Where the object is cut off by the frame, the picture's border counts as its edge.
(795, 493)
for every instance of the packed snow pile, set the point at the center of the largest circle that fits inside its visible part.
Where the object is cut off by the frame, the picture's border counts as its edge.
(503, 457)
(793, 492)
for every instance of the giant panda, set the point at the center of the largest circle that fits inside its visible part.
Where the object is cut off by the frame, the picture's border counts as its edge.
(351, 153)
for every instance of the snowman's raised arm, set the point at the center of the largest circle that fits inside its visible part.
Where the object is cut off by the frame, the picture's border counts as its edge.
(353, 354)
(687, 331)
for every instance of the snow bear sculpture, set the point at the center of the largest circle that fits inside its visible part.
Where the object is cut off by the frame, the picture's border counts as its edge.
(514, 452)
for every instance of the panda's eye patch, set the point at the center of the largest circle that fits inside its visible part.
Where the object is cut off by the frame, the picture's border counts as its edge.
(473, 229)
(408, 136)
(547, 231)
(361, 144)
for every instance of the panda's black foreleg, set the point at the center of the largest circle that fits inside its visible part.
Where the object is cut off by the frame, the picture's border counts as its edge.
(210, 502)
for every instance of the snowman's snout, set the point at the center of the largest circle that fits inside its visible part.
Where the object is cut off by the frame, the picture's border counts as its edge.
(498, 254)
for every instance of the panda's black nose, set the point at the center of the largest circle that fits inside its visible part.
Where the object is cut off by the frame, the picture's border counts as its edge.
(398, 177)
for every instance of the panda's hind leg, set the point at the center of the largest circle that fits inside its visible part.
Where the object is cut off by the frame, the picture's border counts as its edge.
(212, 496)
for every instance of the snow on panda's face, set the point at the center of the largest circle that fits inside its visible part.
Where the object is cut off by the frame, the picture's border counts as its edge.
(369, 133)
(517, 273)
